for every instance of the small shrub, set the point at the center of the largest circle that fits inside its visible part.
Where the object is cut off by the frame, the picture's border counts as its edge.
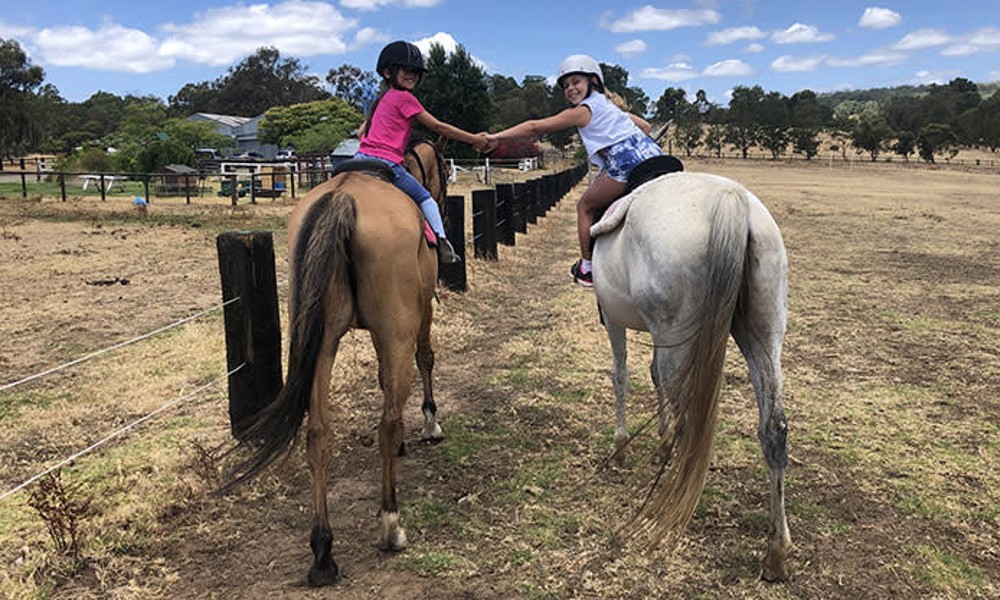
(63, 510)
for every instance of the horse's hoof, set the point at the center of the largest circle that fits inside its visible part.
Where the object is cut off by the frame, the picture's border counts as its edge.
(432, 434)
(319, 577)
(393, 538)
(395, 542)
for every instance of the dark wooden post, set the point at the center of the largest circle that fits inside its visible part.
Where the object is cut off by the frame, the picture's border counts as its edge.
(104, 194)
(453, 276)
(145, 186)
(187, 188)
(234, 189)
(505, 213)
(253, 328)
(484, 224)
(253, 187)
(62, 185)
(24, 184)
(531, 201)
(520, 208)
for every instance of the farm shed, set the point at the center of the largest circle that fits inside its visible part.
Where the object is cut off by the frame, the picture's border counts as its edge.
(176, 180)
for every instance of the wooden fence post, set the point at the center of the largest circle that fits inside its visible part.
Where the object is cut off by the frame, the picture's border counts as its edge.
(484, 224)
(505, 213)
(520, 208)
(253, 327)
(453, 275)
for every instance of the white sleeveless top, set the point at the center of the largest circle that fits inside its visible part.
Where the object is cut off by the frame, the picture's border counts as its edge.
(608, 125)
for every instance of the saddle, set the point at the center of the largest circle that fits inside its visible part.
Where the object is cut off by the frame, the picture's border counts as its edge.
(608, 219)
(379, 169)
(373, 167)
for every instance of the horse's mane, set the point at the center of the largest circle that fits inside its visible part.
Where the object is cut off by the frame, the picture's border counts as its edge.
(438, 159)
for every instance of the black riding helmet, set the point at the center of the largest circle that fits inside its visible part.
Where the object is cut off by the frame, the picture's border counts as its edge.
(400, 54)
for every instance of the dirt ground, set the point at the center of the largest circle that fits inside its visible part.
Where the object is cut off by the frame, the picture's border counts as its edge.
(892, 392)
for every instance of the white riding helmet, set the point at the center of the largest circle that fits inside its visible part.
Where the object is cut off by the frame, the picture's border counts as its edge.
(579, 63)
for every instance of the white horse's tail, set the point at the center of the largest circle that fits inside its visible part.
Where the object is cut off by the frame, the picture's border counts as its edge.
(686, 447)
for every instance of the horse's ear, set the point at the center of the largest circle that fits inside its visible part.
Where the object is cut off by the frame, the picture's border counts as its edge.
(440, 143)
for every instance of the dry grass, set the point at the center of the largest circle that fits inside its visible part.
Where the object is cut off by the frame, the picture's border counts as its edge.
(892, 381)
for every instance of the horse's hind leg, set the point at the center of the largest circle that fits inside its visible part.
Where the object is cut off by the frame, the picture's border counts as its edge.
(431, 430)
(619, 378)
(758, 328)
(324, 569)
(396, 367)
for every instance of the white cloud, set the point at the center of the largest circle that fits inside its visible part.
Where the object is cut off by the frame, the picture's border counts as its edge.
(729, 68)
(734, 34)
(925, 77)
(649, 18)
(219, 36)
(800, 33)
(984, 40)
(109, 48)
(876, 17)
(922, 38)
(446, 41)
(672, 72)
(791, 64)
(377, 4)
(755, 48)
(631, 48)
(879, 58)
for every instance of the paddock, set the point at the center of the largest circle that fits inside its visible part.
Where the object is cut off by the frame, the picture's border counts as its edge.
(892, 385)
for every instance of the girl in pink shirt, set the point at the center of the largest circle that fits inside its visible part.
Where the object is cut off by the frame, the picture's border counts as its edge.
(386, 133)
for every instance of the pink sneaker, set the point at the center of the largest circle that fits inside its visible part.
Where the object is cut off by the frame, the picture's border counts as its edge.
(580, 278)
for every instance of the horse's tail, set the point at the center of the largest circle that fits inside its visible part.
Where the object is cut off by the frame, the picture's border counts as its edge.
(686, 448)
(320, 254)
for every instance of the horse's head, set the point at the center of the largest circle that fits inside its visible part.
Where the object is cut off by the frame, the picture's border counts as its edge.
(425, 161)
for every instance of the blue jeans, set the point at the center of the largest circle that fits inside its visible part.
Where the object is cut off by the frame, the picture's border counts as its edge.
(404, 180)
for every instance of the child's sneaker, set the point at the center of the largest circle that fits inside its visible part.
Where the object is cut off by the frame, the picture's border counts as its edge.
(579, 277)
(446, 252)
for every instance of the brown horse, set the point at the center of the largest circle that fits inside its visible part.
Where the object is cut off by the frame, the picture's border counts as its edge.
(358, 258)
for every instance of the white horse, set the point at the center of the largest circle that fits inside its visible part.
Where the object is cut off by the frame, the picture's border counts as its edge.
(697, 257)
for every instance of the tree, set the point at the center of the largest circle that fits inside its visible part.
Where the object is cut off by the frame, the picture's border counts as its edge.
(743, 118)
(688, 130)
(935, 138)
(358, 88)
(257, 83)
(989, 121)
(668, 104)
(18, 81)
(871, 134)
(317, 126)
(905, 144)
(455, 90)
(775, 120)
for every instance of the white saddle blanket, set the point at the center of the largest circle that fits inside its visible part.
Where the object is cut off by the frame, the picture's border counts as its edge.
(613, 216)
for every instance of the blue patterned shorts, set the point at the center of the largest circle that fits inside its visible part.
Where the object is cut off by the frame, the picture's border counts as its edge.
(622, 157)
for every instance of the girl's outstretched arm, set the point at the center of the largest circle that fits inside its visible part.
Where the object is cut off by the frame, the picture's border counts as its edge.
(450, 131)
(577, 116)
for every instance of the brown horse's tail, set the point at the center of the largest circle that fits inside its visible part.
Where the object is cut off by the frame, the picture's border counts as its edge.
(320, 254)
(686, 448)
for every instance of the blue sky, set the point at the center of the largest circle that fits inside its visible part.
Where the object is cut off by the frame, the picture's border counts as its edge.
(155, 48)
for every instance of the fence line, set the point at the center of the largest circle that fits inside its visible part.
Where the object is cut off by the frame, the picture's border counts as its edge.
(115, 434)
(96, 353)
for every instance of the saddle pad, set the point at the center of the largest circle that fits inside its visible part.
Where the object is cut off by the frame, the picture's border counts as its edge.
(371, 166)
(613, 216)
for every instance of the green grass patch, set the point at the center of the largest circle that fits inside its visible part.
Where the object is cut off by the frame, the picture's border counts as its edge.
(13, 403)
(946, 571)
(433, 562)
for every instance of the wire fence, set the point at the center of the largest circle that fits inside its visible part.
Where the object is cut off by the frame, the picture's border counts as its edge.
(132, 425)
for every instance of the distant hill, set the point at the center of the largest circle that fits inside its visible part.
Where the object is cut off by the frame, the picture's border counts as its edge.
(880, 95)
